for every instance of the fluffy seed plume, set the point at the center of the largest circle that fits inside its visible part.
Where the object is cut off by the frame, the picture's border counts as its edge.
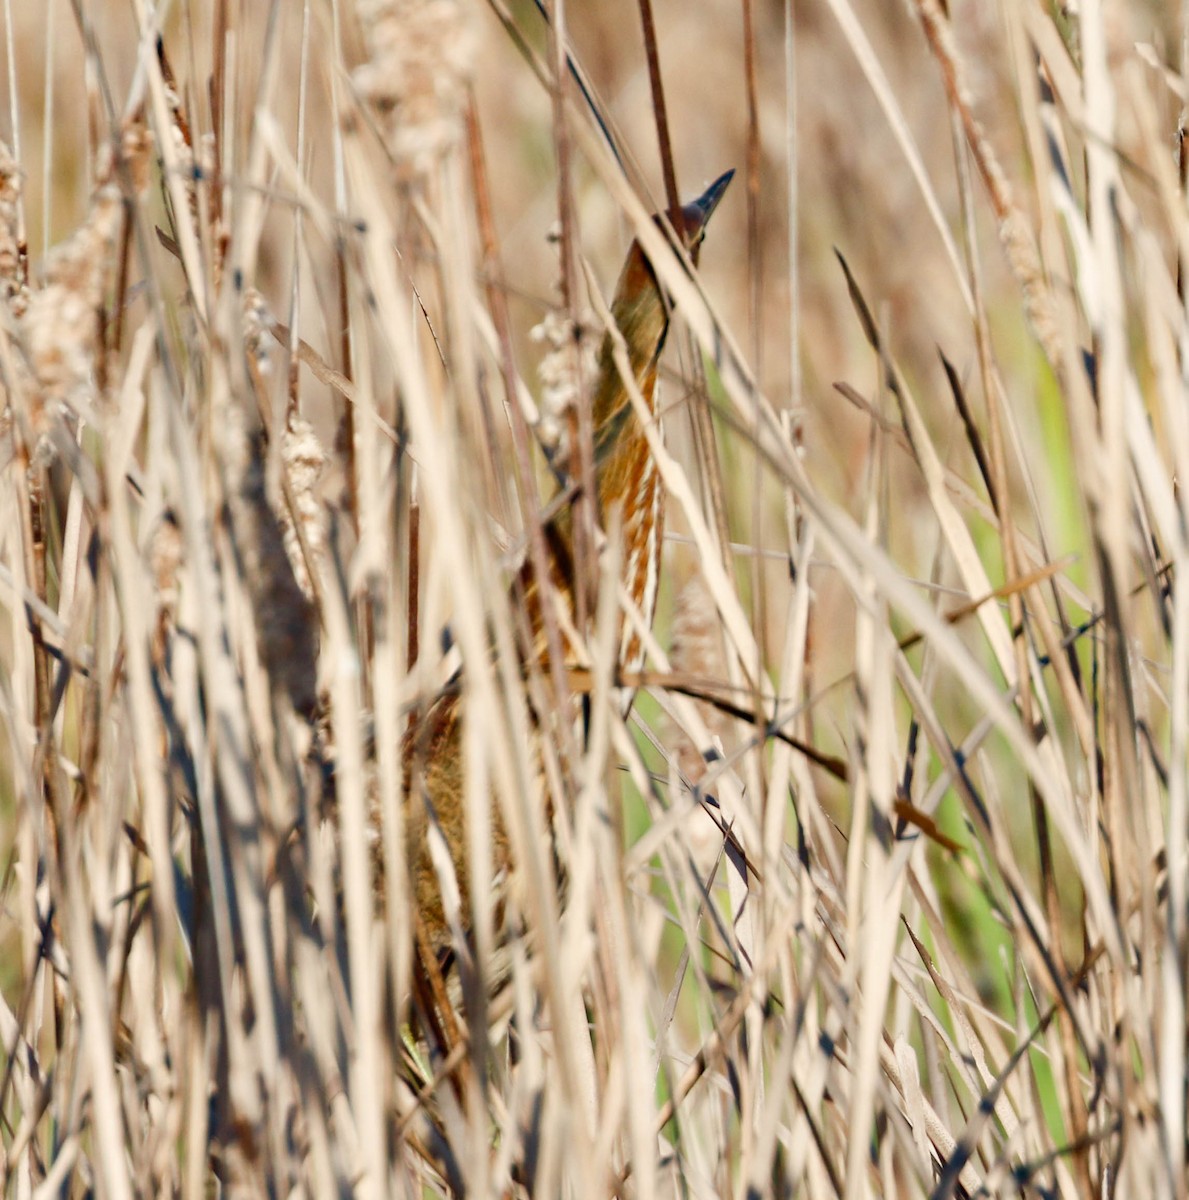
(304, 460)
(60, 321)
(698, 650)
(13, 284)
(419, 67)
(566, 369)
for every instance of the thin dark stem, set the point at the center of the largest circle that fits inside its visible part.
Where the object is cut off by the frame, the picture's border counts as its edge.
(662, 120)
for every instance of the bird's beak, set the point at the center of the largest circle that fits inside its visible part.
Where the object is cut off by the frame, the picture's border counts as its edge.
(707, 202)
(697, 213)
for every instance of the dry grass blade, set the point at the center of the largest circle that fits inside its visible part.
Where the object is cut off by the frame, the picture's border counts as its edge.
(867, 874)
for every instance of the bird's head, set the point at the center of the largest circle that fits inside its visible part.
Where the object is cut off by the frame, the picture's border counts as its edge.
(696, 214)
(641, 306)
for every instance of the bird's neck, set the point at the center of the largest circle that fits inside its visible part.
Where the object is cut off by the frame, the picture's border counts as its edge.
(642, 319)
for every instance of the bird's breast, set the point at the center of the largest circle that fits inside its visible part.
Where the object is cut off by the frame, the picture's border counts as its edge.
(642, 535)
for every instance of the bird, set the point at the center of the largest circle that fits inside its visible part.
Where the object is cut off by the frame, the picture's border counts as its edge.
(626, 479)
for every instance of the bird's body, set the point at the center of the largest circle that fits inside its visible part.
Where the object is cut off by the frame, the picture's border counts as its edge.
(627, 480)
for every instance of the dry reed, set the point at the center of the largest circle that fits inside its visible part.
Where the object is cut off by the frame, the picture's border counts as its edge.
(882, 889)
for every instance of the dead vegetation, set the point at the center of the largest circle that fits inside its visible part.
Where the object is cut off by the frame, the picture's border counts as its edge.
(882, 888)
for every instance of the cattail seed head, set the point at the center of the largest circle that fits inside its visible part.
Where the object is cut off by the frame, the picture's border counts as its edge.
(420, 64)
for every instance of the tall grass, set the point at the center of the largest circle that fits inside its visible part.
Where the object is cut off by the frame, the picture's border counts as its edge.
(883, 886)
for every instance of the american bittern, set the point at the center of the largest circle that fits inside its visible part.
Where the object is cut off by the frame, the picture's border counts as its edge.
(626, 479)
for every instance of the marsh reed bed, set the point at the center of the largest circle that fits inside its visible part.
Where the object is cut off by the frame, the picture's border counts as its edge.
(882, 887)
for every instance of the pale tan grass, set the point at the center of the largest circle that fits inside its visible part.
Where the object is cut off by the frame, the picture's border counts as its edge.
(949, 958)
